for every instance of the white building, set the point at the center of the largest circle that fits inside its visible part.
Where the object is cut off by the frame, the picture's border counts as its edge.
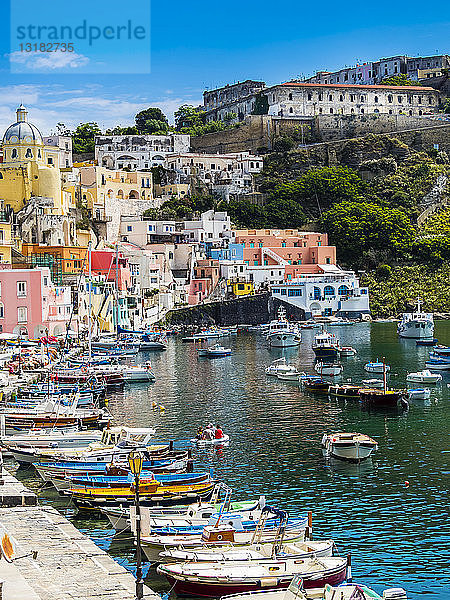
(211, 227)
(223, 174)
(139, 231)
(64, 143)
(332, 292)
(138, 151)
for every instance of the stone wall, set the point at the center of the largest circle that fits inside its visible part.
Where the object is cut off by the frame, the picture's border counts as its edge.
(251, 310)
(258, 132)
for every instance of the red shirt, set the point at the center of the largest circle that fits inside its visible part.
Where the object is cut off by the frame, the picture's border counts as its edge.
(219, 434)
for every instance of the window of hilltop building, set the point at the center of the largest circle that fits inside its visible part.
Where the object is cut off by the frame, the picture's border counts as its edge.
(327, 260)
(22, 316)
(330, 97)
(328, 291)
(21, 289)
(376, 99)
(14, 153)
(430, 100)
(420, 113)
(341, 98)
(291, 110)
(352, 97)
(390, 111)
(320, 97)
(49, 160)
(309, 96)
(28, 153)
(400, 99)
(290, 96)
(320, 111)
(419, 99)
(2, 311)
(331, 111)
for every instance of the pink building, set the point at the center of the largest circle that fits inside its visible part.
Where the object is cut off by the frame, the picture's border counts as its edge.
(300, 252)
(31, 305)
(206, 277)
(104, 263)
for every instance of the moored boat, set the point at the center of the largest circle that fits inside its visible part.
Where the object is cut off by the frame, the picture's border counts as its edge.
(419, 394)
(332, 369)
(417, 325)
(281, 333)
(425, 376)
(348, 446)
(382, 398)
(326, 346)
(316, 384)
(344, 391)
(219, 579)
(377, 367)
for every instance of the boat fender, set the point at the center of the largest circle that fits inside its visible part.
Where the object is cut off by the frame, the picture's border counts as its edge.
(406, 484)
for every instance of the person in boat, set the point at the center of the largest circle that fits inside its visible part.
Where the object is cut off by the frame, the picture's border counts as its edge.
(208, 434)
(218, 434)
(200, 433)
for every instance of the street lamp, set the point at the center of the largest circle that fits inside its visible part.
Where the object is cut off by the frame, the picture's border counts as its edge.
(135, 461)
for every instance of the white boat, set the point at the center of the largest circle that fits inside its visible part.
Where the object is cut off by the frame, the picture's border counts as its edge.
(219, 579)
(325, 345)
(116, 444)
(292, 376)
(50, 438)
(377, 367)
(252, 552)
(281, 367)
(231, 533)
(419, 394)
(214, 351)
(347, 351)
(329, 369)
(135, 373)
(437, 363)
(348, 446)
(225, 439)
(119, 516)
(425, 376)
(345, 591)
(417, 325)
(373, 383)
(283, 334)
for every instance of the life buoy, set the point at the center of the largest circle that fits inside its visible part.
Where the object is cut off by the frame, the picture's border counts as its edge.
(84, 369)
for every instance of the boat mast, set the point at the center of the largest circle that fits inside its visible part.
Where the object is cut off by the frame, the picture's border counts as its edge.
(117, 291)
(90, 300)
(384, 376)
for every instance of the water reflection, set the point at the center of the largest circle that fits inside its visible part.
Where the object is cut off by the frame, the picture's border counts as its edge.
(397, 535)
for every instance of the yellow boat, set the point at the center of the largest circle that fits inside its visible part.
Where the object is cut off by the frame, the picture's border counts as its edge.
(150, 491)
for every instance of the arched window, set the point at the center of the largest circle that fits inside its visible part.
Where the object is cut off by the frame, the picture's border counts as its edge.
(28, 153)
(343, 290)
(328, 291)
(1, 176)
(420, 112)
(290, 96)
(291, 110)
(341, 98)
(376, 99)
(317, 293)
(390, 98)
(410, 113)
(39, 154)
(14, 153)
(362, 111)
(331, 111)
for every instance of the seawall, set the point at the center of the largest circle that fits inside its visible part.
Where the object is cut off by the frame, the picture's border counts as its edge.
(250, 310)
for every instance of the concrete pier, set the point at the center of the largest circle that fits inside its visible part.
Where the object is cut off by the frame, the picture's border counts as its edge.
(69, 566)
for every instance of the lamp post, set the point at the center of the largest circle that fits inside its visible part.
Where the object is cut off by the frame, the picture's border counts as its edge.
(135, 461)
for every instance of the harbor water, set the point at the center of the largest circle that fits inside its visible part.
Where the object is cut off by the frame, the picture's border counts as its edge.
(398, 535)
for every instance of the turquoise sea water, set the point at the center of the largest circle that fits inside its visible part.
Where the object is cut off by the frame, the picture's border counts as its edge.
(397, 536)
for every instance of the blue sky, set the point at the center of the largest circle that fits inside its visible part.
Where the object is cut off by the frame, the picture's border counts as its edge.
(196, 45)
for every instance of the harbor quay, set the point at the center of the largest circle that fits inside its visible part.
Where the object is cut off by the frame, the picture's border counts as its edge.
(52, 559)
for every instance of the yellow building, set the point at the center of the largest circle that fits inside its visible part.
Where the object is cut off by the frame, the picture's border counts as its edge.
(7, 239)
(240, 288)
(172, 190)
(30, 181)
(29, 168)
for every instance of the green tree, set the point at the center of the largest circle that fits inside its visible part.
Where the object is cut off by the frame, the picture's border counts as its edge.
(363, 231)
(119, 130)
(83, 138)
(283, 144)
(320, 188)
(401, 79)
(447, 107)
(152, 121)
(283, 214)
(188, 118)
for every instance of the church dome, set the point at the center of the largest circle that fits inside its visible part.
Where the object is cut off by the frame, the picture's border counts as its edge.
(22, 131)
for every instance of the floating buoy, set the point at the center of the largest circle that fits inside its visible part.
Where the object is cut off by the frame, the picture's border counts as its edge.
(406, 484)
(161, 407)
(154, 405)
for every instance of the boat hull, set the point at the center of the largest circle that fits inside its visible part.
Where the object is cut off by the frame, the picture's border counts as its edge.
(190, 587)
(283, 340)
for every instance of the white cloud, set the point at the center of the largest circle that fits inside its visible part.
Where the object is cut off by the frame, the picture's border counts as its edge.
(48, 61)
(50, 104)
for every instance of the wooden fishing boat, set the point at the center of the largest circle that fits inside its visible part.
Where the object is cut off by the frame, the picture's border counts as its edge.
(252, 552)
(382, 398)
(345, 591)
(316, 385)
(348, 446)
(119, 516)
(219, 579)
(152, 491)
(344, 391)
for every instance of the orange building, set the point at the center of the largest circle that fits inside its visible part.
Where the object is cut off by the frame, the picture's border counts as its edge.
(72, 259)
(299, 251)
